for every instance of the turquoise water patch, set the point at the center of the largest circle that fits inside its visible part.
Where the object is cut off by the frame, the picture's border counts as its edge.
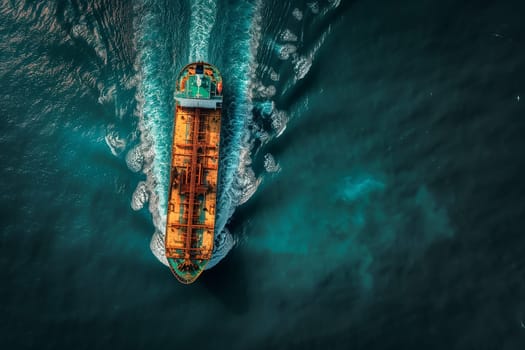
(355, 188)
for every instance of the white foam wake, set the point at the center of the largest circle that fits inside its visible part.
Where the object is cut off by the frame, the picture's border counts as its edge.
(153, 113)
(203, 14)
(151, 155)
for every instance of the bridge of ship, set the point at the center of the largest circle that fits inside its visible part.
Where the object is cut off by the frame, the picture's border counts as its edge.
(199, 81)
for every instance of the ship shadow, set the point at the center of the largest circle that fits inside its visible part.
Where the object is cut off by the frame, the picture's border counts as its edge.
(228, 283)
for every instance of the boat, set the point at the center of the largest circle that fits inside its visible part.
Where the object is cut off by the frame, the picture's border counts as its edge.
(192, 200)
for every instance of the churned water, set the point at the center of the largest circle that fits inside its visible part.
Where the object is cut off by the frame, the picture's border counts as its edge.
(371, 193)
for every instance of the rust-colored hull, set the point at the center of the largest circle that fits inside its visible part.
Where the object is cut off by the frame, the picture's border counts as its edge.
(193, 179)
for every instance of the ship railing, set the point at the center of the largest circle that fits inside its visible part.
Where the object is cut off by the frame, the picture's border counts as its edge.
(210, 103)
(193, 225)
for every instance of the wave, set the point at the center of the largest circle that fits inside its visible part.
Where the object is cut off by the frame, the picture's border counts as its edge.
(153, 114)
(237, 180)
(203, 13)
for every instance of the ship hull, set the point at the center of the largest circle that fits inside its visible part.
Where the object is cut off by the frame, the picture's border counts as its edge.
(192, 201)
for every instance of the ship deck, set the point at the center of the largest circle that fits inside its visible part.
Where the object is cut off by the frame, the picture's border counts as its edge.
(190, 223)
(193, 192)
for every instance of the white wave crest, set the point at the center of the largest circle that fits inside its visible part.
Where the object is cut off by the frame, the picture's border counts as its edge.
(203, 13)
(140, 196)
(238, 181)
(246, 182)
(135, 159)
(286, 50)
(156, 246)
(287, 35)
(115, 143)
(302, 66)
(153, 113)
(303, 63)
(270, 165)
(297, 14)
(279, 121)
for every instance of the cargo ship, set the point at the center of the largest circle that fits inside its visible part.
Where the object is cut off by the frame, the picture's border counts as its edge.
(193, 182)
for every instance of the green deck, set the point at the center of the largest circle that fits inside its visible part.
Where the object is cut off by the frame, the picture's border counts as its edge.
(196, 91)
(199, 86)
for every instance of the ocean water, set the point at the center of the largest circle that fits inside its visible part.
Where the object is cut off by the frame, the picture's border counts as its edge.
(372, 191)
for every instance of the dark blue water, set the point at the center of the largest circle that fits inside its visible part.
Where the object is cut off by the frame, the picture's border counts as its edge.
(372, 192)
